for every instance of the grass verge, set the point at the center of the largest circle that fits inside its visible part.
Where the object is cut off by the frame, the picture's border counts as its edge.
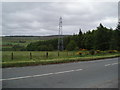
(57, 60)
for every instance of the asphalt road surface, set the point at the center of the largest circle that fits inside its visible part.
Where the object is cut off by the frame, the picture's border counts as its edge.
(89, 74)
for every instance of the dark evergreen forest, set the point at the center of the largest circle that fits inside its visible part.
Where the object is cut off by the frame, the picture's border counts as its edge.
(100, 39)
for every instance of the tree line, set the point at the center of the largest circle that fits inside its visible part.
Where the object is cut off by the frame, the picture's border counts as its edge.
(101, 38)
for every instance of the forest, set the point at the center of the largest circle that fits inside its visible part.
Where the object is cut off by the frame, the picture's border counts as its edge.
(102, 38)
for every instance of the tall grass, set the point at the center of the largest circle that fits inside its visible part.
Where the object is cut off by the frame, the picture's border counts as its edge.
(22, 58)
(40, 55)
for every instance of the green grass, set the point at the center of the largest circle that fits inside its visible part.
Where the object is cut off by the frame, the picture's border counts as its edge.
(25, 55)
(22, 58)
(15, 40)
(5, 42)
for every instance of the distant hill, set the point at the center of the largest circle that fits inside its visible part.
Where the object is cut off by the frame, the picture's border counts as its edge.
(9, 41)
(31, 37)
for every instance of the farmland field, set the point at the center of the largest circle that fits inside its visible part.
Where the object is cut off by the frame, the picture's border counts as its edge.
(23, 58)
(39, 55)
(13, 40)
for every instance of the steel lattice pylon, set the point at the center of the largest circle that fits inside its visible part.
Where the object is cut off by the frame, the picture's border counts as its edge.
(60, 38)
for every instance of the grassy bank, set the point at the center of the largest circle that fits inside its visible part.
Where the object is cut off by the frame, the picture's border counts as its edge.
(71, 57)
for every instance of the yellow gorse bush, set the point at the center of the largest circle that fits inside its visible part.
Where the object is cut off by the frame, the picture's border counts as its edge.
(79, 53)
(112, 51)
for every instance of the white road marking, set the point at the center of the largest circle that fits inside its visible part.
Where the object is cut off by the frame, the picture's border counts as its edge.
(111, 64)
(63, 72)
(16, 78)
(78, 69)
(114, 63)
(107, 65)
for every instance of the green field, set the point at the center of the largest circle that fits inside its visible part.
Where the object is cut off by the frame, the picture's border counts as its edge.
(9, 41)
(23, 58)
(36, 55)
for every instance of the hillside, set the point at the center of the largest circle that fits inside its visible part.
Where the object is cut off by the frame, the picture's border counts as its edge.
(9, 41)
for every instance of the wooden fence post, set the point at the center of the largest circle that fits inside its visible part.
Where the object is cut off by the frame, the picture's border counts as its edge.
(58, 54)
(12, 55)
(46, 54)
(30, 55)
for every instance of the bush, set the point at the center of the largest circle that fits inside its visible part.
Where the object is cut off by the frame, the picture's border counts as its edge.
(83, 49)
(22, 41)
(71, 46)
(92, 52)
(97, 51)
(79, 53)
(112, 51)
(42, 48)
(115, 51)
(18, 48)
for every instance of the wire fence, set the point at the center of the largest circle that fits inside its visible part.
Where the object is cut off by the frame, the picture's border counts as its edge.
(26, 55)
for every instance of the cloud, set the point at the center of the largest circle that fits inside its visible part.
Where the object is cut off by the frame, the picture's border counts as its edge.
(42, 18)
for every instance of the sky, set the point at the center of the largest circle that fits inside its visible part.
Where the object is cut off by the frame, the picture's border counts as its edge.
(42, 18)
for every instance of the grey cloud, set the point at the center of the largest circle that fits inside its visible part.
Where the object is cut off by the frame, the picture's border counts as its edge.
(42, 18)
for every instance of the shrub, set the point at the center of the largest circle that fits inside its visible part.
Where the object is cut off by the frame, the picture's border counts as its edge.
(97, 51)
(112, 51)
(18, 48)
(79, 53)
(83, 49)
(22, 41)
(92, 52)
(71, 46)
(115, 51)
(86, 53)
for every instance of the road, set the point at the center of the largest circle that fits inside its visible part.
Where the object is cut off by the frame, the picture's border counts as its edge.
(89, 74)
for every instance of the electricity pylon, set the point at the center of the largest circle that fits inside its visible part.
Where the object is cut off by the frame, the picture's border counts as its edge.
(60, 37)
